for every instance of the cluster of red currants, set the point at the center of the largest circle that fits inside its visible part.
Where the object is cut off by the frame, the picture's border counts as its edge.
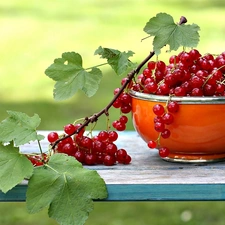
(98, 149)
(187, 74)
(38, 159)
(163, 117)
(122, 102)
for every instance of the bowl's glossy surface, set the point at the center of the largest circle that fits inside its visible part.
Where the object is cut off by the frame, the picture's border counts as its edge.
(198, 130)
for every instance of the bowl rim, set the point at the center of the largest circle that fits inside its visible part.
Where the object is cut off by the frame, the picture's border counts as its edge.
(184, 100)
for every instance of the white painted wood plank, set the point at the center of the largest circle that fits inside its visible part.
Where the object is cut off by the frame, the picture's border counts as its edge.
(148, 168)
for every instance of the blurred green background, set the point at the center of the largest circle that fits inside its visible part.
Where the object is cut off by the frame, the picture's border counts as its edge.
(34, 33)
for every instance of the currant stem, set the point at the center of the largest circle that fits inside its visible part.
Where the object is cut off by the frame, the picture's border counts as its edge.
(167, 102)
(158, 140)
(40, 148)
(47, 165)
(182, 20)
(103, 64)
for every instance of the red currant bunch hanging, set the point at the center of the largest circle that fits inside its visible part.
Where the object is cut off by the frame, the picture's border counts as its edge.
(123, 103)
(90, 150)
(163, 118)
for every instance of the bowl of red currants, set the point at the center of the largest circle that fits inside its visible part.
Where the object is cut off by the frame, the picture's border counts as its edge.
(179, 107)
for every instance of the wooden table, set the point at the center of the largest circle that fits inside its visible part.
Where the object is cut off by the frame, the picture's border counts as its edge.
(149, 178)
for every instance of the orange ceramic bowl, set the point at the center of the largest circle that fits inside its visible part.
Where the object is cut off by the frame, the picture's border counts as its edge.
(198, 130)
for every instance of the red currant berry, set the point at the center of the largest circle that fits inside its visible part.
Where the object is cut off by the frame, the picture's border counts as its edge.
(137, 87)
(167, 118)
(119, 126)
(68, 140)
(116, 91)
(158, 119)
(196, 82)
(103, 136)
(149, 80)
(127, 159)
(111, 149)
(98, 146)
(147, 72)
(196, 92)
(109, 160)
(113, 136)
(173, 107)
(161, 66)
(77, 139)
(152, 144)
(173, 59)
(151, 65)
(164, 88)
(90, 159)
(125, 108)
(220, 88)
(37, 160)
(81, 131)
(52, 137)
(150, 87)
(186, 58)
(194, 54)
(117, 103)
(99, 158)
(124, 80)
(69, 129)
(179, 91)
(80, 156)
(164, 152)
(121, 155)
(209, 90)
(126, 98)
(158, 109)
(123, 119)
(165, 134)
(86, 142)
(159, 127)
(159, 75)
(68, 149)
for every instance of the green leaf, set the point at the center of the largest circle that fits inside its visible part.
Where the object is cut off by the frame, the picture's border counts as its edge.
(165, 31)
(14, 167)
(20, 128)
(91, 86)
(66, 188)
(119, 61)
(70, 76)
(85, 81)
(65, 67)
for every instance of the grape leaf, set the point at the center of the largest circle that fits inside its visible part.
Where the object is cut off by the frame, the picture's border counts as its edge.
(66, 188)
(70, 76)
(165, 31)
(119, 61)
(20, 128)
(14, 167)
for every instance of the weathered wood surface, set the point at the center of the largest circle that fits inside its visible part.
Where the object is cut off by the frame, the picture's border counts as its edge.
(149, 178)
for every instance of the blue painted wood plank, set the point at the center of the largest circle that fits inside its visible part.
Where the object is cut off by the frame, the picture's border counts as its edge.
(166, 192)
(143, 192)
(17, 194)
